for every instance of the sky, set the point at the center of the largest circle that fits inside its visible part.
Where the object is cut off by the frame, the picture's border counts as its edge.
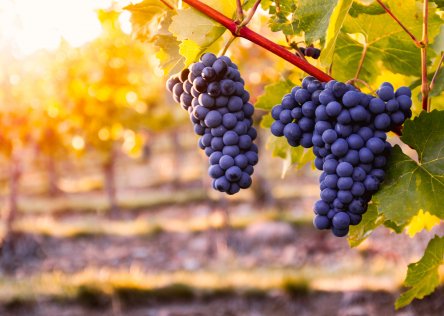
(30, 25)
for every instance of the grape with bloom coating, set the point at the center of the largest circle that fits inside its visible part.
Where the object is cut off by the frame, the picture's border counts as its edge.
(212, 91)
(347, 130)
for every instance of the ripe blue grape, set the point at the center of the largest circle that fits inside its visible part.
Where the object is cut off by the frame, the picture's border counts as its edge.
(333, 109)
(321, 222)
(341, 220)
(321, 207)
(340, 147)
(386, 93)
(351, 99)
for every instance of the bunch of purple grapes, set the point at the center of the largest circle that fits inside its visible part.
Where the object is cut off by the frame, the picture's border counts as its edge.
(347, 130)
(213, 93)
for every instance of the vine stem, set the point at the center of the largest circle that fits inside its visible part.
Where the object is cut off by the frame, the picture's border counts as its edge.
(425, 41)
(250, 14)
(258, 39)
(227, 45)
(389, 12)
(239, 11)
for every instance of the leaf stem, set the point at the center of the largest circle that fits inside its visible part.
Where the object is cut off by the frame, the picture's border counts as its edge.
(351, 81)
(435, 75)
(258, 39)
(425, 41)
(361, 61)
(166, 3)
(239, 11)
(413, 37)
(250, 14)
(227, 45)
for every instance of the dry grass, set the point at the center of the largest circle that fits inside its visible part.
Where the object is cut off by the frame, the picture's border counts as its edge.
(95, 285)
(94, 225)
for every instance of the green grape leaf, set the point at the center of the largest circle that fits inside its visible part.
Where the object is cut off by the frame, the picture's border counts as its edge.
(282, 17)
(423, 276)
(370, 220)
(387, 44)
(265, 4)
(439, 3)
(266, 121)
(313, 18)
(393, 226)
(336, 21)
(438, 41)
(359, 8)
(308, 17)
(412, 186)
(350, 51)
(293, 156)
(273, 94)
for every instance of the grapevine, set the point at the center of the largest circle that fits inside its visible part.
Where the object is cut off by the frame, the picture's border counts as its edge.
(346, 128)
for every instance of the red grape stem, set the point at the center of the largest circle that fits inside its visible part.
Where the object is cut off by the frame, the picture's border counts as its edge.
(258, 39)
(265, 43)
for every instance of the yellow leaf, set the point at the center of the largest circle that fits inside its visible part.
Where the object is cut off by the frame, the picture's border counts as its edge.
(423, 220)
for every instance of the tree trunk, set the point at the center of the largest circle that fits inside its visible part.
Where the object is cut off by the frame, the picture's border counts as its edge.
(53, 177)
(110, 183)
(14, 179)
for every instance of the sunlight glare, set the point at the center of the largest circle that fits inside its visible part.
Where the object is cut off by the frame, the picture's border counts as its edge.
(33, 25)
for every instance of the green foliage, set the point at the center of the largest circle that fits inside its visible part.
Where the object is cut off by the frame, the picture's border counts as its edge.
(386, 42)
(359, 8)
(297, 157)
(370, 220)
(308, 17)
(439, 3)
(337, 20)
(423, 276)
(151, 20)
(411, 186)
(168, 47)
(439, 83)
(145, 17)
(273, 94)
(313, 18)
(183, 35)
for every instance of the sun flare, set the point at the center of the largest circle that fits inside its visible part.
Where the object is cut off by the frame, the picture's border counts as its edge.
(27, 25)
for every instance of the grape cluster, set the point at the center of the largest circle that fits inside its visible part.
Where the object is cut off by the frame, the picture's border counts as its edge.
(213, 93)
(310, 52)
(347, 130)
